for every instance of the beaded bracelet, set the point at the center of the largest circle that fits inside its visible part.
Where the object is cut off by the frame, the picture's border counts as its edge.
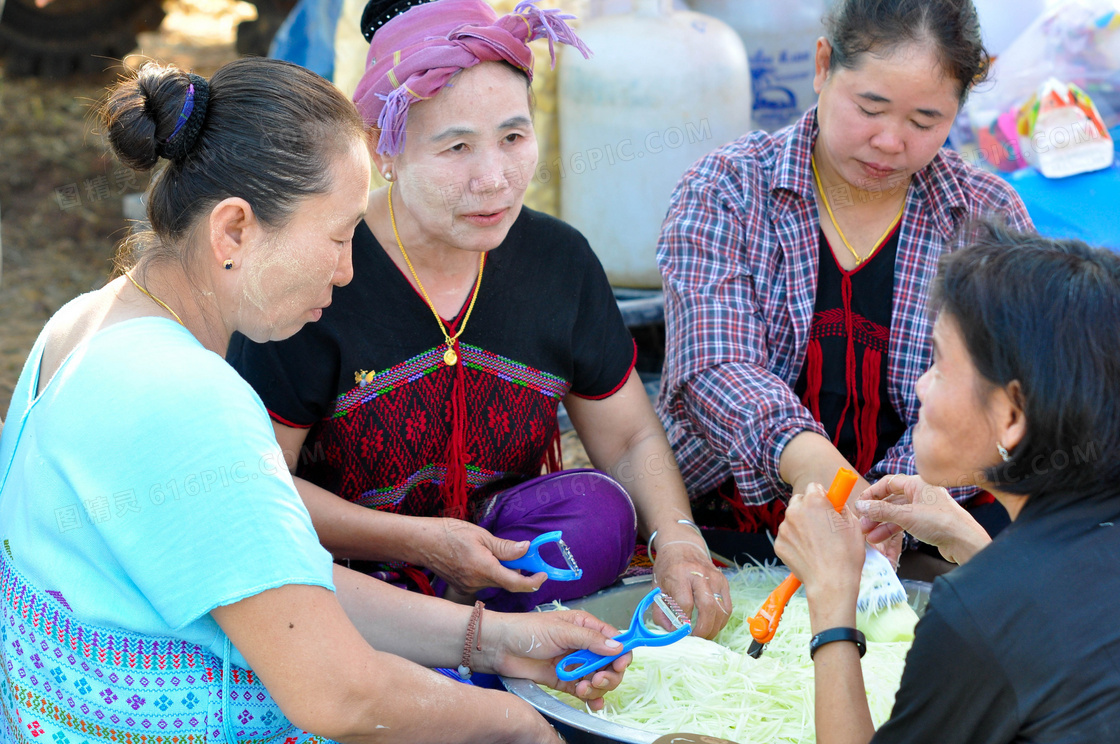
(474, 638)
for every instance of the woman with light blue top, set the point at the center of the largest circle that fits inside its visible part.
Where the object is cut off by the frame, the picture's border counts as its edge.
(160, 579)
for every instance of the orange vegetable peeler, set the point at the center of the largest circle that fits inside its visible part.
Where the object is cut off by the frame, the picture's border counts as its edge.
(765, 623)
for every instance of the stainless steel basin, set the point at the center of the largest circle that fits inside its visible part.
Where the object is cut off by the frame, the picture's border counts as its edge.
(616, 606)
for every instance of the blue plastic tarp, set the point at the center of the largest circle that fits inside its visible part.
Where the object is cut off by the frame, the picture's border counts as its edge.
(307, 36)
(1086, 206)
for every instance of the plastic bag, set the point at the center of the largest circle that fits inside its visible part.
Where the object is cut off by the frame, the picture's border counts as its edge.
(1060, 132)
(1077, 42)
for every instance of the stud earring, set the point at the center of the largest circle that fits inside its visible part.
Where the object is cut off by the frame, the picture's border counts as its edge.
(1003, 452)
(389, 175)
(228, 264)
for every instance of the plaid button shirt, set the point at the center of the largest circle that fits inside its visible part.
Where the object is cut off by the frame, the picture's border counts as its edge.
(739, 256)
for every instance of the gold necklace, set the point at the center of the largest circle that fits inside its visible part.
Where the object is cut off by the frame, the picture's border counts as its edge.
(450, 357)
(831, 216)
(157, 300)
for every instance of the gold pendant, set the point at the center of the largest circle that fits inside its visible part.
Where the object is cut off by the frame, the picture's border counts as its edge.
(450, 358)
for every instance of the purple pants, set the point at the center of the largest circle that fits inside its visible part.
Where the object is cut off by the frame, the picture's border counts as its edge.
(597, 518)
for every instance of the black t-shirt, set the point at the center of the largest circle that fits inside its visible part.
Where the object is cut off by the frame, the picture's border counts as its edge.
(1022, 643)
(370, 382)
(846, 389)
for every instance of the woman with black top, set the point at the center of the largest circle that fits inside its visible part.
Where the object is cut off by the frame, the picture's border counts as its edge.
(424, 402)
(1021, 642)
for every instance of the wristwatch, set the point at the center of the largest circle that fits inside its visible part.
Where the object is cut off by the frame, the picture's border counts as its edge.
(838, 634)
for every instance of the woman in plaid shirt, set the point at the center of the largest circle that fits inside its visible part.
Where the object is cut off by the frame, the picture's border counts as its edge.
(797, 266)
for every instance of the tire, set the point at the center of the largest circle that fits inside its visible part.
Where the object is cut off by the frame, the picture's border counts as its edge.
(71, 36)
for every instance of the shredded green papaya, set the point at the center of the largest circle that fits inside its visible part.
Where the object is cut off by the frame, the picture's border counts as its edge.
(712, 688)
(895, 623)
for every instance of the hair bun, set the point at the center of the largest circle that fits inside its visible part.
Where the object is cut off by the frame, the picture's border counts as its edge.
(188, 125)
(143, 112)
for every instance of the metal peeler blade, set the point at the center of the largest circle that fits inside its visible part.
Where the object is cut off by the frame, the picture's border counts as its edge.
(532, 560)
(570, 559)
(672, 610)
(583, 662)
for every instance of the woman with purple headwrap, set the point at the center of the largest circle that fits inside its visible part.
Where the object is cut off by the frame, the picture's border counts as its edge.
(424, 404)
(160, 579)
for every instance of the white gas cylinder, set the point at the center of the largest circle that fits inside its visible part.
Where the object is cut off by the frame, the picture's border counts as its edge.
(663, 89)
(781, 40)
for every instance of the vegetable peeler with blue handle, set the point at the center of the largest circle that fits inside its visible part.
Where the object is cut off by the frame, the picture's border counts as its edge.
(533, 562)
(583, 662)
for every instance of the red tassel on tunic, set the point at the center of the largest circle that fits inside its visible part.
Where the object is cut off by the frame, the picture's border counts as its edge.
(814, 366)
(419, 578)
(849, 361)
(865, 417)
(755, 518)
(867, 422)
(554, 457)
(455, 480)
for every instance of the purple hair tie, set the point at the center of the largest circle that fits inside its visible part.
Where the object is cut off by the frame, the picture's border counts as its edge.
(184, 138)
(188, 108)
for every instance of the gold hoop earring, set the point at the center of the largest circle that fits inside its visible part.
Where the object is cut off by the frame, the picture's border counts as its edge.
(1003, 452)
(228, 264)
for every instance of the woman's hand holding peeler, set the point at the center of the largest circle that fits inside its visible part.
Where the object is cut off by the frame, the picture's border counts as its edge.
(824, 548)
(579, 664)
(530, 645)
(686, 572)
(468, 557)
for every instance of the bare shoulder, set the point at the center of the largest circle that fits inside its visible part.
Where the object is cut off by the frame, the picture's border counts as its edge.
(76, 321)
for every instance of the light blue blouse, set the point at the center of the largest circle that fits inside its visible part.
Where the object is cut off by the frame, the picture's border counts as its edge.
(144, 487)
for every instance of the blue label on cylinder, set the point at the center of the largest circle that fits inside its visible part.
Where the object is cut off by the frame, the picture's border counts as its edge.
(782, 86)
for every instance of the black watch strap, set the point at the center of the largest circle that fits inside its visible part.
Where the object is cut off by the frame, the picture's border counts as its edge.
(838, 634)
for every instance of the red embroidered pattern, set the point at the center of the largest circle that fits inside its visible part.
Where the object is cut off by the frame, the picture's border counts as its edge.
(874, 341)
(401, 421)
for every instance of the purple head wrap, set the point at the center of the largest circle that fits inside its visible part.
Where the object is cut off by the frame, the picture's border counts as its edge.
(413, 56)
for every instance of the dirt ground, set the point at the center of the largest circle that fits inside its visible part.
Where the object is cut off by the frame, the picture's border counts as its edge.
(60, 209)
(61, 189)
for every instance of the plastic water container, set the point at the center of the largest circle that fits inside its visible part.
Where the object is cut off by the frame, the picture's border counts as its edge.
(781, 40)
(663, 89)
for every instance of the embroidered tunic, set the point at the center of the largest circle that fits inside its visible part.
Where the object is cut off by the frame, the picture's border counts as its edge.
(844, 381)
(369, 381)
